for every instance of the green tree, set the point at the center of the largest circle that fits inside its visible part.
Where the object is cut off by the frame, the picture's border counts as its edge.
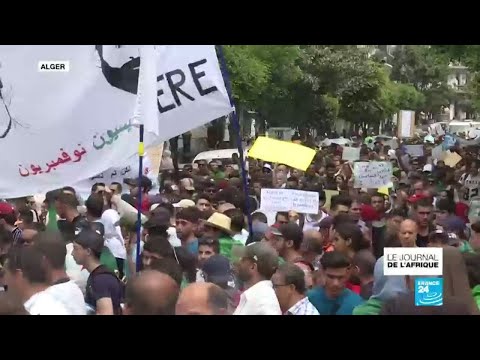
(422, 67)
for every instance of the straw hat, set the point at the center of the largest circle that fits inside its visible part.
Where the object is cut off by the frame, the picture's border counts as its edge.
(220, 221)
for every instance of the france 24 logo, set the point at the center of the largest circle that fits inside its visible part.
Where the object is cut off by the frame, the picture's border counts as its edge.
(428, 292)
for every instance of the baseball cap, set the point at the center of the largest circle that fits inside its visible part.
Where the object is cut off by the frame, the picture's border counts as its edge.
(275, 230)
(90, 239)
(291, 231)
(326, 223)
(145, 182)
(453, 224)
(187, 183)
(185, 203)
(217, 269)
(428, 168)
(6, 208)
(414, 198)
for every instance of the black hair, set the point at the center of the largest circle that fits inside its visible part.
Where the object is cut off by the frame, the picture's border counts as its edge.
(169, 267)
(340, 200)
(340, 219)
(377, 194)
(30, 261)
(426, 202)
(445, 205)
(94, 205)
(118, 185)
(292, 178)
(259, 216)
(281, 213)
(67, 199)
(397, 212)
(204, 196)
(330, 165)
(191, 214)
(334, 260)
(168, 207)
(26, 216)
(188, 262)
(293, 275)
(237, 219)
(53, 247)
(350, 231)
(293, 232)
(160, 245)
(213, 243)
(96, 186)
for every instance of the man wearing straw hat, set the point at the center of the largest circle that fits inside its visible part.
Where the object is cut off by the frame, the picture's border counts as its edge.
(217, 227)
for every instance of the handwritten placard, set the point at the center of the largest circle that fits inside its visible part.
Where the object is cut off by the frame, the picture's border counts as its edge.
(406, 124)
(452, 159)
(305, 202)
(350, 153)
(372, 175)
(414, 150)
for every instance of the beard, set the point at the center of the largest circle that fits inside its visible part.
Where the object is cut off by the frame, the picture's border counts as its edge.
(243, 275)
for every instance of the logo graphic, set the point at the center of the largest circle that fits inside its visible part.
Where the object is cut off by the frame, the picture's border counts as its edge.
(428, 292)
(413, 261)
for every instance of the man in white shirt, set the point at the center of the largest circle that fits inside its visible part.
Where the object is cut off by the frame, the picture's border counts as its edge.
(26, 277)
(257, 265)
(471, 182)
(62, 289)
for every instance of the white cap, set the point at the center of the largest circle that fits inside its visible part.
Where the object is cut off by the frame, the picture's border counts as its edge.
(268, 166)
(185, 203)
(428, 168)
(391, 154)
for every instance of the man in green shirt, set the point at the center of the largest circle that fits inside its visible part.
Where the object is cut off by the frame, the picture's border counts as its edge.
(218, 227)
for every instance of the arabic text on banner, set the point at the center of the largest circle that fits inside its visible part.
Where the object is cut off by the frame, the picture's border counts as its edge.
(372, 175)
(274, 200)
(94, 104)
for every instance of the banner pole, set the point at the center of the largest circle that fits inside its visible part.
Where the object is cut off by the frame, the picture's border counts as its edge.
(141, 152)
(236, 125)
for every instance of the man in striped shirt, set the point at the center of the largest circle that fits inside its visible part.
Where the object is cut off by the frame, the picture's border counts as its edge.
(289, 285)
(8, 218)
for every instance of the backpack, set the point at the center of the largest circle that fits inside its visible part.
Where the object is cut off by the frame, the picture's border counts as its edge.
(102, 269)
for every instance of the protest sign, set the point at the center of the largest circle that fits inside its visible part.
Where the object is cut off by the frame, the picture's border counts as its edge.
(285, 152)
(414, 150)
(78, 123)
(406, 124)
(350, 153)
(372, 175)
(118, 174)
(328, 197)
(452, 158)
(305, 202)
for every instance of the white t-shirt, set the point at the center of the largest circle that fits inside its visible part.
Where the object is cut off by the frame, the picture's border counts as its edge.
(70, 296)
(472, 185)
(42, 303)
(242, 237)
(260, 299)
(113, 234)
(172, 237)
(74, 271)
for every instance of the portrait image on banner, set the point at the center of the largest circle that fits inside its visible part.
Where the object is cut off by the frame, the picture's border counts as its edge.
(79, 122)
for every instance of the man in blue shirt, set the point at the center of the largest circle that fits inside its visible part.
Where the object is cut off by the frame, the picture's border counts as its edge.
(334, 298)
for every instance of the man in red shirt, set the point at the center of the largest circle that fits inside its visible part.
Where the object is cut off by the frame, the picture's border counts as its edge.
(145, 187)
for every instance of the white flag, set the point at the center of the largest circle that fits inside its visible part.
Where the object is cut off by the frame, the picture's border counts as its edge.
(67, 111)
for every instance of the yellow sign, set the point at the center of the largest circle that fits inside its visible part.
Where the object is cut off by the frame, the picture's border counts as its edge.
(284, 152)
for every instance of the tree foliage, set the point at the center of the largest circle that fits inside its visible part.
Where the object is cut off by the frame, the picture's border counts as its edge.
(313, 85)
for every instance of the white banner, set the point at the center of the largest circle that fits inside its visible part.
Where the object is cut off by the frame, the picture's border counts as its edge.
(118, 174)
(70, 123)
(273, 200)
